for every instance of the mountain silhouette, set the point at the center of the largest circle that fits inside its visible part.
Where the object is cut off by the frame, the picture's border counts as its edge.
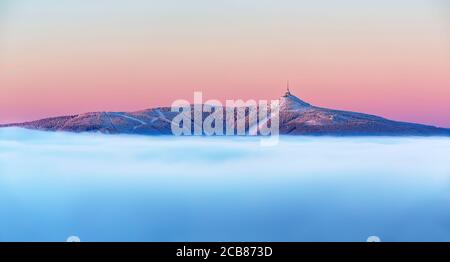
(297, 117)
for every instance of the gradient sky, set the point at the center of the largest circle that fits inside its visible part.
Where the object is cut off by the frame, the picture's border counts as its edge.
(384, 57)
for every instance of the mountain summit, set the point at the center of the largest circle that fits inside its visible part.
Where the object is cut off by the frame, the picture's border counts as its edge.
(297, 117)
(300, 118)
(290, 102)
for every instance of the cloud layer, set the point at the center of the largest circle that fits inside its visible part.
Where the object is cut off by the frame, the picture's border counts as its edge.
(137, 188)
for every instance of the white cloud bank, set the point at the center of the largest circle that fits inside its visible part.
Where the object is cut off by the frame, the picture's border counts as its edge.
(138, 188)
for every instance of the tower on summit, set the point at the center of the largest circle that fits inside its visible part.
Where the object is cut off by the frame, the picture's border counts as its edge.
(288, 92)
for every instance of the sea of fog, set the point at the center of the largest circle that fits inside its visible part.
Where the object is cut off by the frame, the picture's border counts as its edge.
(141, 188)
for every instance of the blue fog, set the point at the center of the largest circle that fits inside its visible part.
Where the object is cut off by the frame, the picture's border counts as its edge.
(136, 188)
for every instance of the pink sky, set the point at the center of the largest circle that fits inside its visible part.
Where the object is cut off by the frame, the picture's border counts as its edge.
(67, 58)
